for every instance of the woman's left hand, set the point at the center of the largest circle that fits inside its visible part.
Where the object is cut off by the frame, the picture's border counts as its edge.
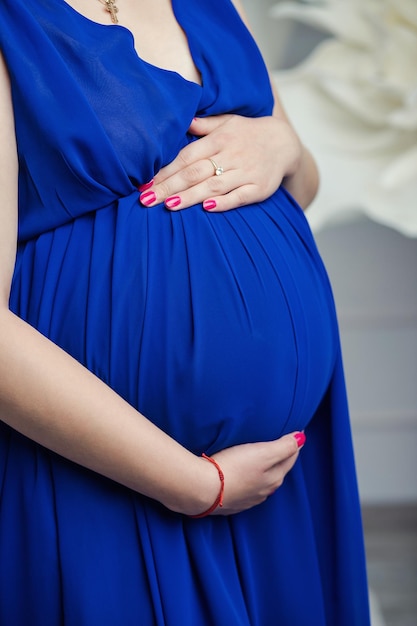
(255, 155)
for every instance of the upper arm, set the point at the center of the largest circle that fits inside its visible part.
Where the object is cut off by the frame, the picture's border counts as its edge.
(8, 186)
(240, 9)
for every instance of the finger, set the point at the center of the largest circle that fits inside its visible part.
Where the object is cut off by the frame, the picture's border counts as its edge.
(298, 436)
(204, 125)
(219, 187)
(290, 446)
(238, 197)
(200, 150)
(218, 193)
(193, 179)
(286, 447)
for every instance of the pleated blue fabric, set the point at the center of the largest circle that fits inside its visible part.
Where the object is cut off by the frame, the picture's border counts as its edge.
(220, 328)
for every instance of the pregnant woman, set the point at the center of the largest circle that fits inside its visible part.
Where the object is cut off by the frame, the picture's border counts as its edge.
(175, 446)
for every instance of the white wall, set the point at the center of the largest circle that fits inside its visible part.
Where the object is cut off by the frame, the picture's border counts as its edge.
(374, 275)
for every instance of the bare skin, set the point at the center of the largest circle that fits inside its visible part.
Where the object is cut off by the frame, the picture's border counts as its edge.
(49, 397)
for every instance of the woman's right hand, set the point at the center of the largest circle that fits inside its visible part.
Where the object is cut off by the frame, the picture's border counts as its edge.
(253, 471)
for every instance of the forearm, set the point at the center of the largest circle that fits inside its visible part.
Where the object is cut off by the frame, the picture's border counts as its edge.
(52, 399)
(304, 182)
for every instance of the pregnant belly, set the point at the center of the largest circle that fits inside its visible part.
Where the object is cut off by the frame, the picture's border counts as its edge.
(218, 327)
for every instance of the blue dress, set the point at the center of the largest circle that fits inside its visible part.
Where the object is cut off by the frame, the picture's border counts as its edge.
(220, 328)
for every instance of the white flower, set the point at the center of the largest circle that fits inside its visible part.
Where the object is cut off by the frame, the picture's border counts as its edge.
(361, 81)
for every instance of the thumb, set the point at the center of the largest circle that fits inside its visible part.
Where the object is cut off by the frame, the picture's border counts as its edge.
(201, 126)
(300, 438)
(288, 445)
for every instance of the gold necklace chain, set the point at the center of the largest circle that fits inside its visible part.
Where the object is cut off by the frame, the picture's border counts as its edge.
(112, 9)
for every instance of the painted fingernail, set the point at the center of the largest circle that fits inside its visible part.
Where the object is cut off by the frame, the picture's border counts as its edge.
(300, 439)
(147, 198)
(145, 186)
(208, 205)
(172, 202)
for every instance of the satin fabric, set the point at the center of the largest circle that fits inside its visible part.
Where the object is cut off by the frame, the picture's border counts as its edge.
(220, 328)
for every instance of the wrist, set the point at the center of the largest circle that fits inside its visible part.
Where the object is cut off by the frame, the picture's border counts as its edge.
(206, 488)
(303, 183)
(198, 488)
(218, 502)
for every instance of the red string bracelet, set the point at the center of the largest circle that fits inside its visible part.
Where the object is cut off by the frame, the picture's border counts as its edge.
(219, 500)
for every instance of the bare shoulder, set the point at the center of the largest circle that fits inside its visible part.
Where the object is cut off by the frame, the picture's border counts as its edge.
(8, 186)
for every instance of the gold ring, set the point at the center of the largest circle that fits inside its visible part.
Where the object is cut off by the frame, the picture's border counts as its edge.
(218, 170)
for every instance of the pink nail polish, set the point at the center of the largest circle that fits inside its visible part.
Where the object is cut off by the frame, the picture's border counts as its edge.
(172, 202)
(147, 198)
(145, 186)
(300, 439)
(208, 205)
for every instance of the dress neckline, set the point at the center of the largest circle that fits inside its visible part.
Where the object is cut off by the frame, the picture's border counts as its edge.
(129, 33)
